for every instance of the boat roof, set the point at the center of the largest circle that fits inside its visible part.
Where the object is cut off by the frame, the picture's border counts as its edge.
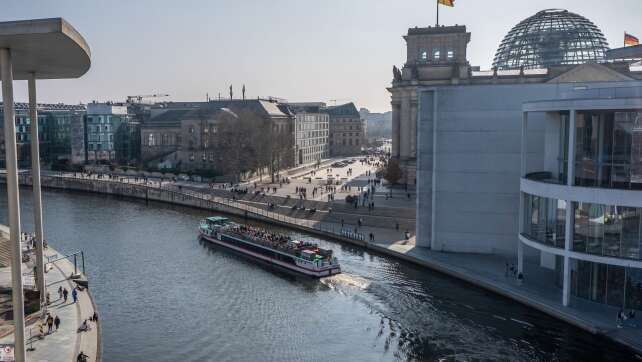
(217, 219)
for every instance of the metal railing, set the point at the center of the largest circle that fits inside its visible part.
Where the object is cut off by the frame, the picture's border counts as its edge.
(54, 258)
(198, 199)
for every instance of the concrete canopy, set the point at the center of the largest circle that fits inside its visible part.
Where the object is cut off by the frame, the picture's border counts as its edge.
(50, 48)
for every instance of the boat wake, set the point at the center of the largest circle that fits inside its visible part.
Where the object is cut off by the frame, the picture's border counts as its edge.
(345, 280)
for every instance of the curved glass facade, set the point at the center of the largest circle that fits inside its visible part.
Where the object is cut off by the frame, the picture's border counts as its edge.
(551, 37)
(604, 230)
(607, 284)
(608, 149)
(544, 220)
(607, 230)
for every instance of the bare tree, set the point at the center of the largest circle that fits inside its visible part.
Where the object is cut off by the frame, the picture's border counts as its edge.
(392, 172)
(242, 142)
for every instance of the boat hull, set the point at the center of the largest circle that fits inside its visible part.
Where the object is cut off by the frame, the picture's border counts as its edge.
(293, 267)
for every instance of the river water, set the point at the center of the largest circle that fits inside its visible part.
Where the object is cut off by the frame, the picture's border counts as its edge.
(163, 295)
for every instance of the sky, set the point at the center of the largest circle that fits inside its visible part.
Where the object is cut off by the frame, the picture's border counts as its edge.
(301, 50)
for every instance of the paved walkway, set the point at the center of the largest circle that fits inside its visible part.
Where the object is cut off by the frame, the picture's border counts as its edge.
(64, 344)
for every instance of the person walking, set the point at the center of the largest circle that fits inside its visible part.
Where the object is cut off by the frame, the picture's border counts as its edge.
(74, 295)
(50, 322)
(57, 322)
(65, 293)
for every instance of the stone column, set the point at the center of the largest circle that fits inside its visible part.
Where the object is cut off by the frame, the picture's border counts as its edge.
(413, 127)
(396, 128)
(404, 137)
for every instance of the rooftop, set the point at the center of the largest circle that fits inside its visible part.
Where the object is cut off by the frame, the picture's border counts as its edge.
(348, 109)
(437, 30)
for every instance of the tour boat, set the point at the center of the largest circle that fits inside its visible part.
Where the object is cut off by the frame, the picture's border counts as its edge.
(302, 257)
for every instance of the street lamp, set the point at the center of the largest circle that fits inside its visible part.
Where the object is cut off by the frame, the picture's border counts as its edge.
(30, 50)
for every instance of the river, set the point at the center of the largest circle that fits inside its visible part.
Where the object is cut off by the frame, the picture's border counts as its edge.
(163, 295)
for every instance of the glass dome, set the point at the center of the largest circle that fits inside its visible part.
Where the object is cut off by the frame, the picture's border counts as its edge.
(551, 37)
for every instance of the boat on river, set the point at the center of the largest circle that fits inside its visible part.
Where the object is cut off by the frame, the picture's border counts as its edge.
(276, 249)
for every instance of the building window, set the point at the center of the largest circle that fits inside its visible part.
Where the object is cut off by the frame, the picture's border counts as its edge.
(436, 54)
(150, 139)
(451, 54)
(423, 55)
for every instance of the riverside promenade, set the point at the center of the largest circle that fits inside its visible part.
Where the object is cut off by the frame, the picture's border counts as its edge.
(486, 271)
(65, 343)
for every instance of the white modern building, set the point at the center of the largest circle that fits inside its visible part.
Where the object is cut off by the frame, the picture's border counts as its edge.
(493, 171)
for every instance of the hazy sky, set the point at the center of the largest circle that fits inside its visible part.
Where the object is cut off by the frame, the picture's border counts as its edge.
(301, 50)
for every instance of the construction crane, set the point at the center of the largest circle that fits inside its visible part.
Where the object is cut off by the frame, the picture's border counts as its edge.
(139, 98)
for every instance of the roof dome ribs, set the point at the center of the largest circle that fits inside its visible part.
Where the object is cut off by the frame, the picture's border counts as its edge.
(551, 37)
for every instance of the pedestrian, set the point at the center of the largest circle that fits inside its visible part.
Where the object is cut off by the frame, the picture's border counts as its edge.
(50, 322)
(65, 293)
(60, 292)
(41, 328)
(74, 295)
(57, 322)
(620, 318)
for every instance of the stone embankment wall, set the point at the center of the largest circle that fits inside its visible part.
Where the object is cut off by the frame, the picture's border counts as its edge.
(191, 199)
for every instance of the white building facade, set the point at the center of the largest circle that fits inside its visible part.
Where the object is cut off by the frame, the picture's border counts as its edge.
(311, 137)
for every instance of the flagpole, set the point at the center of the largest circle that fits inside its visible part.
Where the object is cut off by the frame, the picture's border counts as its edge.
(437, 12)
